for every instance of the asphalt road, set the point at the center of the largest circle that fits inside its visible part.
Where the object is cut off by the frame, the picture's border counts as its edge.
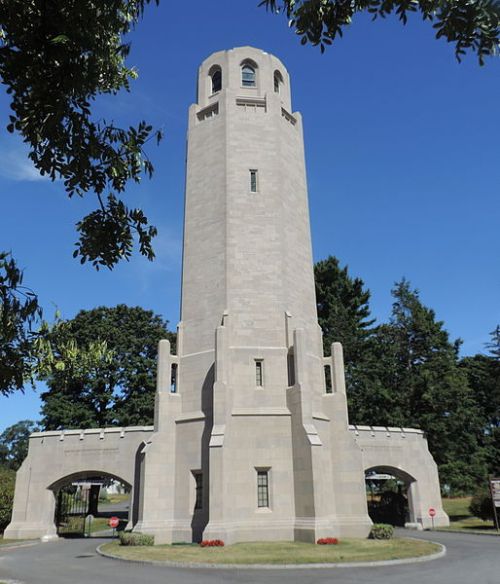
(471, 559)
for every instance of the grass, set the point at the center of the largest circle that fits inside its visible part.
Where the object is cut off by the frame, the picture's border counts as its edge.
(99, 524)
(349, 550)
(461, 518)
(114, 499)
(9, 541)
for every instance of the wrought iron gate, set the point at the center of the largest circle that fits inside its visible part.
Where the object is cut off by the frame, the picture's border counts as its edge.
(71, 510)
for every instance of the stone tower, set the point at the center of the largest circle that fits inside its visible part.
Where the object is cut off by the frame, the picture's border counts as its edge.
(251, 428)
(249, 442)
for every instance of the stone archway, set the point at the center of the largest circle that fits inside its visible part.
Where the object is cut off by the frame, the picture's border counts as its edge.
(393, 502)
(80, 506)
(403, 453)
(55, 456)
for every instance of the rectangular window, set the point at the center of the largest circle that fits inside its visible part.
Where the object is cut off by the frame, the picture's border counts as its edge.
(259, 373)
(291, 368)
(198, 480)
(173, 378)
(328, 379)
(253, 181)
(262, 488)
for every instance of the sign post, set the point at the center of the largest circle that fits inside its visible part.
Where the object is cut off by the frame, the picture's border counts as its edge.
(113, 522)
(495, 498)
(432, 513)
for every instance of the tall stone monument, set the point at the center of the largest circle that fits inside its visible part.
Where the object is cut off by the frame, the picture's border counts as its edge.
(249, 441)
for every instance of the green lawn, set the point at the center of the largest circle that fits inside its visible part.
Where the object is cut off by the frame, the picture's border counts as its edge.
(462, 519)
(349, 550)
(99, 524)
(113, 499)
(9, 541)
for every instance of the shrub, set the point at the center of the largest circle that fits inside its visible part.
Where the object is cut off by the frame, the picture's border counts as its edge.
(7, 482)
(212, 543)
(481, 505)
(327, 541)
(381, 531)
(127, 538)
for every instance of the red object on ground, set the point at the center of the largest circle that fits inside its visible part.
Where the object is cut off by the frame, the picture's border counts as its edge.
(114, 522)
(212, 543)
(432, 512)
(327, 541)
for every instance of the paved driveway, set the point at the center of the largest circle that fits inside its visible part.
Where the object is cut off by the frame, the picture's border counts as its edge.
(471, 559)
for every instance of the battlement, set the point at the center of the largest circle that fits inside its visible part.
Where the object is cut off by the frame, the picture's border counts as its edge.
(82, 433)
(386, 432)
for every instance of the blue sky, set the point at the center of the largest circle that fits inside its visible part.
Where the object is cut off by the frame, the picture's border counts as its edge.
(402, 156)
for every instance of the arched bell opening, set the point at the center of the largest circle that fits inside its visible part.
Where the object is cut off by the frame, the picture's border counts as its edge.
(389, 495)
(85, 501)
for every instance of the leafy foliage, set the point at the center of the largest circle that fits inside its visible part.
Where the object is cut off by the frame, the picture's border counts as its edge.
(483, 374)
(135, 539)
(494, 344)
(481, 505)
(55, 59)
(100, 368)
(14, 443)
(19, 313)
(471, 25)
(404, 372)
(417, 367)
(381, 531)
(343, 308)
(7, 483)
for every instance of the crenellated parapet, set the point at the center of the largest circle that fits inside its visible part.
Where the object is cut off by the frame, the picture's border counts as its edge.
(383, 432)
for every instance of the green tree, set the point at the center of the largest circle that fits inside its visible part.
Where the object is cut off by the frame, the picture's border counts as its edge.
(344, 316)
(56, 58)
(7, 483)
(14, 443)
(112, 391)
(414, 380)
(471, 25)
(483, 374)
(19, 316)
(494, 344)
(343, 308)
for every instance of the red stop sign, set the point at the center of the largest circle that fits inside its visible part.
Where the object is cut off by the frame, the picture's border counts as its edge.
(432, 512)
(113, 522)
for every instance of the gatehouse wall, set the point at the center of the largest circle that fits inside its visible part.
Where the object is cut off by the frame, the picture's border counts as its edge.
(404, 453)
(55, 458)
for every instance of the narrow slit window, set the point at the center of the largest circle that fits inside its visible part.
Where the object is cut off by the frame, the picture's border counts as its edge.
(173, 379)
(291, 368)
(253, 180)
(328, 379)
(278, 81)
(259, 372)
(262, 488)
(198, 481)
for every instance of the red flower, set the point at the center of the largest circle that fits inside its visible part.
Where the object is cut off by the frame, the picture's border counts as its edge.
(212, 543)
(327, 541)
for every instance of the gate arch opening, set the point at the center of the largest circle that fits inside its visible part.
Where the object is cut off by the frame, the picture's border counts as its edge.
(390, 494)
(85, 500)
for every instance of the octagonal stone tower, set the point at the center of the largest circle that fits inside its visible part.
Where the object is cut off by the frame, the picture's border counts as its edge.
(249, 442)
(261, 449)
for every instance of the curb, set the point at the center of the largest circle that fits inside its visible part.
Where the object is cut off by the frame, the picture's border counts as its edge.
(461, 531)
(204, 566)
